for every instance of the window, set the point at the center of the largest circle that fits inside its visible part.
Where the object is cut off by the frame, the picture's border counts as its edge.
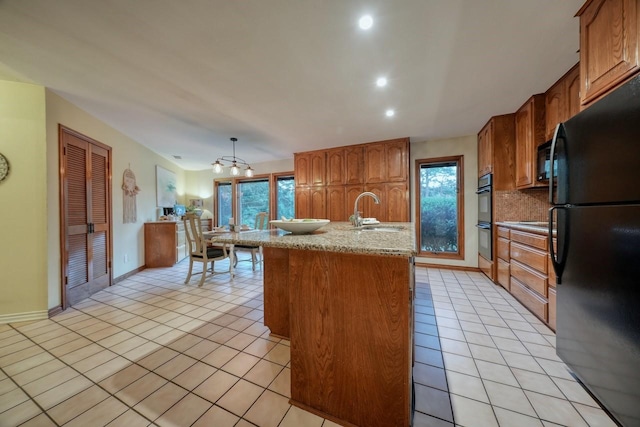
(440, 207)
(224, 204)
(253, 197)
(285, 196)
(243, 198)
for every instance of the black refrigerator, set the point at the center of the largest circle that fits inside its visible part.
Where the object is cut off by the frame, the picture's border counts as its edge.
(596, 210)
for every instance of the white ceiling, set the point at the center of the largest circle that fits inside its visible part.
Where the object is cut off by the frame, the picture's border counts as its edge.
(284, 76)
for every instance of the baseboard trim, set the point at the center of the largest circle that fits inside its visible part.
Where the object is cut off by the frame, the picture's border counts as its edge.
(55, 310)
(447, 267)
(129, 274)
(24, 317)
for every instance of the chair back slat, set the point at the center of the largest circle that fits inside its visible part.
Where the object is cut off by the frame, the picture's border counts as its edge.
(193, 230)
(261, 220)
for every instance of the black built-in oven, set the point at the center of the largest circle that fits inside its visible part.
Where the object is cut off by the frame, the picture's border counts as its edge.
(485, 245)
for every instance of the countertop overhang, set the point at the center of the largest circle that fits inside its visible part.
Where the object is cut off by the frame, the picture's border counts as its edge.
(334, 237)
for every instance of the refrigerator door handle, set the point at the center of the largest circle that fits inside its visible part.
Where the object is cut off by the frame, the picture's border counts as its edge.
(558, 133)
(558, 257)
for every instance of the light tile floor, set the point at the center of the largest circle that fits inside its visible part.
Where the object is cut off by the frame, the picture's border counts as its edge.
(153, 351)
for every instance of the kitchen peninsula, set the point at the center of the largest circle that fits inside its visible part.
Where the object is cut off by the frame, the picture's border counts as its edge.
(344, 299)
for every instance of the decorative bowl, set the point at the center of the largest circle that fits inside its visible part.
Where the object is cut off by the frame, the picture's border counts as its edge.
(300, 226)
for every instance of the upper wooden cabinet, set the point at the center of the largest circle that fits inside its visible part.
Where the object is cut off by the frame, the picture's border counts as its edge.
(609, 33)
(496, 151)
(530, 132)
(335, 166)
(387, 161)
(310, 168)
(562, 100)
(354, 162)
(328, 181)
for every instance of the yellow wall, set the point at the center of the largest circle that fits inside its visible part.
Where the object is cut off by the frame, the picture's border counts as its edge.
(128, 239)
(467, 147)
(23, 203)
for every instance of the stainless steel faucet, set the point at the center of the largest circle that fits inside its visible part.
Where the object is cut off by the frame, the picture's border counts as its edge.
(357, 219)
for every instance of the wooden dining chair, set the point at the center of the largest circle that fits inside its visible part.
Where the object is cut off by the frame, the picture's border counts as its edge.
(262, 219)
(201, 251)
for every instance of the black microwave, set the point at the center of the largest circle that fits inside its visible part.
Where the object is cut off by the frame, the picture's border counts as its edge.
(544, 162)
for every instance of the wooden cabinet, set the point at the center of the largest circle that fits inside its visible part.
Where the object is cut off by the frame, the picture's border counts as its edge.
(164, 243)
(311, 202)
(529, 275)
(354, 164)
(328, 181)
(496, 151)
(335, 167)
(562, 100)
(503, 268)
(485, 150)
(530, 132)
(310, 168)
(609, 33)
(336, 203)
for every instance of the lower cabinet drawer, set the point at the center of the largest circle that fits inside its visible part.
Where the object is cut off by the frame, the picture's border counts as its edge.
(529, 299)
(532, 257)
(529, 277)
(503, 273)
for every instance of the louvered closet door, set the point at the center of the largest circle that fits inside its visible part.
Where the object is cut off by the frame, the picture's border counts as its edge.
(86, 200)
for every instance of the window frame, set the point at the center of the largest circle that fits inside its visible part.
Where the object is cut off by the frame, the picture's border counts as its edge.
(459, 160)
(234, 181)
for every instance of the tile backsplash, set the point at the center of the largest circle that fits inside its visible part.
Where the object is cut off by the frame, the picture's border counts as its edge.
(529, 205)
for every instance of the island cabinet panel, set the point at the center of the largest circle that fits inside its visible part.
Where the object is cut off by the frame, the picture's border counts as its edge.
(350, 336)
(276, 291)
(609, 35)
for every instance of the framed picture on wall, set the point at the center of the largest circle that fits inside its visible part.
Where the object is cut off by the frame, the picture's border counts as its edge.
(166, 188)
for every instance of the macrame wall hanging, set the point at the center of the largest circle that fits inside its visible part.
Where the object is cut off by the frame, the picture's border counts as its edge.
(129, 192)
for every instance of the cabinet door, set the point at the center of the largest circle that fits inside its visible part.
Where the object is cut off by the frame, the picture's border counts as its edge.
(336, 208)
(485, 150)
(530, 127)
(303, 202)
(572, 92)
(554, 108)
(335, 167)
(354, 162)
(302, 169)
(397, 160)
(317, 196)
(396, 202)
(608, 45)
(375, 164)
(317, 165)
(352, 193)
(369, 208)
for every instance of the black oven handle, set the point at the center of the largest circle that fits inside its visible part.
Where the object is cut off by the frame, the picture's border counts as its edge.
(484, 190)
(484, 226)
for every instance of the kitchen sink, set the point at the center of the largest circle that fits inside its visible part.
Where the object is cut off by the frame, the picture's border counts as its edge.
(383, 228)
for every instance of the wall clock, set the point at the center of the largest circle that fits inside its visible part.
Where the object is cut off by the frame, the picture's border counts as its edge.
(4, 167)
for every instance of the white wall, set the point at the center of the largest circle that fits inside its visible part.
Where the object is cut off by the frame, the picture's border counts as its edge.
(467, 147)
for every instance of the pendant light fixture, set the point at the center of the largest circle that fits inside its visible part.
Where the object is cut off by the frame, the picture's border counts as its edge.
(234, 169)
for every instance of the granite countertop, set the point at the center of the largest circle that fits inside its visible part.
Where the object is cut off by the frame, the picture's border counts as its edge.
(334, 237)
(531, 226)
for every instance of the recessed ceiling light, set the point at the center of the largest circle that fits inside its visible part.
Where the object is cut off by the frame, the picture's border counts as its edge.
(381, 82)
(365, 22)
(390, 113)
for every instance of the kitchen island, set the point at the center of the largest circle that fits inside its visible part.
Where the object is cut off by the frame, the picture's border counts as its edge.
(344, 299)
